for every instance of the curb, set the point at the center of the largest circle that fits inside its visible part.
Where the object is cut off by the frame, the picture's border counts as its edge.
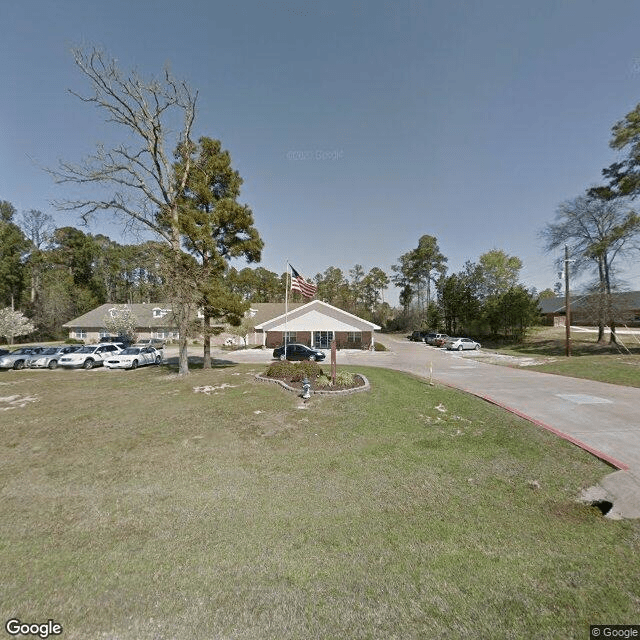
(365, 387)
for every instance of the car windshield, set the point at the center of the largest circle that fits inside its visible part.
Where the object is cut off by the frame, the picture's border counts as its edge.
(131, 351)
(86, 350)
(49, 351)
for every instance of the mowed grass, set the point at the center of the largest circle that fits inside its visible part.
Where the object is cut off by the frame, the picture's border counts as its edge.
(617, 364)
(134, 507)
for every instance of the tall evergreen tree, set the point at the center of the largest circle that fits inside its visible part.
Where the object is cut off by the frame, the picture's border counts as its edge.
(13, 246)
(215, 227)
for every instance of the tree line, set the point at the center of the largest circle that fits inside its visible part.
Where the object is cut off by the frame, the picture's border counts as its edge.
(53, 274)
(485, 297)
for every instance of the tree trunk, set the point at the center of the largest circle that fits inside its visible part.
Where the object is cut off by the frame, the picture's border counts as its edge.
(613, 338)
(601, 301)
(206, 363)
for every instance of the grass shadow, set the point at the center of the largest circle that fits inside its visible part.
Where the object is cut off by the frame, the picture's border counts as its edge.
(197, 362)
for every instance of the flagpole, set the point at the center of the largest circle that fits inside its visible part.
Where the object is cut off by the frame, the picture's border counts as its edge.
(286, 306)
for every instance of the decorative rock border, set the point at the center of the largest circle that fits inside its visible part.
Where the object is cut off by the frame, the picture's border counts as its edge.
(323, 392)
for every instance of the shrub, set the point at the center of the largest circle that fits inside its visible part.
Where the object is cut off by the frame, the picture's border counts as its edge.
(294, 372)
(345, 379)
(378, 346)
(323, 381)
(73, 341)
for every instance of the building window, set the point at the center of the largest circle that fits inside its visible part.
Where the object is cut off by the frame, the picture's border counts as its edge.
(354, 337)
(162, 335)
(159, 313)
(104, 334)
(290, 336)
(79, 334)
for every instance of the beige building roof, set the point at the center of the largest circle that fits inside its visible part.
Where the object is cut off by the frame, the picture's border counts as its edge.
(148, 315)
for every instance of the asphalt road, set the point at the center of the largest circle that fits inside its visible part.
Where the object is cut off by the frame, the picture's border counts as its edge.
(602, 418)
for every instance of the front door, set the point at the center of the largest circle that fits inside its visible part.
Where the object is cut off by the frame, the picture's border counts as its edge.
(322, 339)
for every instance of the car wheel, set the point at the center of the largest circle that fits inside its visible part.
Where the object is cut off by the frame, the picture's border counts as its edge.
(134, 364)
(459, 347)
(477, 346)
(158, 359)
(18, 364)
(88, 364)
(283, 357)
(312, 358)
(52, 364)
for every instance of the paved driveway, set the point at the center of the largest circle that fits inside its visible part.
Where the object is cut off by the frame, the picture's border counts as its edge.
(601, 418)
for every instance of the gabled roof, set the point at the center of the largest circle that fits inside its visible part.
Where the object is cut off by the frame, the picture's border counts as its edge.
(143, 312)
(317, 316)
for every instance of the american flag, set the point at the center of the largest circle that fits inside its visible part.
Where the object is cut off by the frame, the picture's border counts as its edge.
(298, 283)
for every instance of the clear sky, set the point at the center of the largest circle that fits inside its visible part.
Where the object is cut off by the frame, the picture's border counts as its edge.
(357, 125)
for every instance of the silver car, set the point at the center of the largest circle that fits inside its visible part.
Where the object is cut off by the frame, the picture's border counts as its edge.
(19, 358)
(461, 343)
(48, 358)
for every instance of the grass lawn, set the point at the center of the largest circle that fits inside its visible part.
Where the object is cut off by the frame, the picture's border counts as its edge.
(135, 508)
(590, 360)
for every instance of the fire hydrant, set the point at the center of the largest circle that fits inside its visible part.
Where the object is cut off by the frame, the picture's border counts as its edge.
(306, 388)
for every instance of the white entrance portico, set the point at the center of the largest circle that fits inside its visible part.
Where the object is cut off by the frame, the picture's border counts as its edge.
(317, 324)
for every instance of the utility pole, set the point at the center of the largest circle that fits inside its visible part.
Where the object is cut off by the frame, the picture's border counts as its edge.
(567, 303)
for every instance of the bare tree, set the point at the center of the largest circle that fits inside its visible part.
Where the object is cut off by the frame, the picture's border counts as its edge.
(597, 231)
(38, 227)
(141, 183)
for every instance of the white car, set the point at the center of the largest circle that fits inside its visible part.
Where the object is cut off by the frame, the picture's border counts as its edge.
(134, 357)
(461, 343)
(89, 356)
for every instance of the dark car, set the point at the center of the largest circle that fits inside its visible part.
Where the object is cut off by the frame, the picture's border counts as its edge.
(298, 352)
(418, 336)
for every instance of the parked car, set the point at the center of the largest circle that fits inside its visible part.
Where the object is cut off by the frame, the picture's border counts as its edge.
(459, 344)
(18, 359)
(418, 336)
(298, 352)
(434, 338)
(133, 357)
(48, 357)
(89, 356)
